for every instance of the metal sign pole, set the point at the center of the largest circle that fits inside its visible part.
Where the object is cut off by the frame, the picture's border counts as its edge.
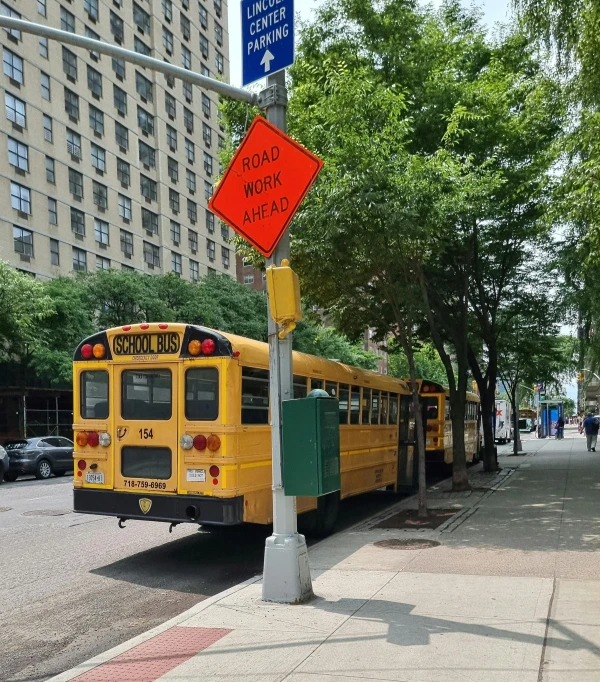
(286, 575)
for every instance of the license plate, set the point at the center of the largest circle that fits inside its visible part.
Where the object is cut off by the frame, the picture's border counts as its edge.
(96, 479)
(197, 475)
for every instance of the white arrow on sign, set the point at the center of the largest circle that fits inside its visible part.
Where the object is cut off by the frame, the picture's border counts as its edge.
(266, 60)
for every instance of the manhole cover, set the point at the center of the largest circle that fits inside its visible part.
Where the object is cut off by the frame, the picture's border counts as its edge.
(3, 509)
(47, 512)
(406, 544)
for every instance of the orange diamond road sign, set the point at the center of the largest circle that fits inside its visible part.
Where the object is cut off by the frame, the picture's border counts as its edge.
(264, 185)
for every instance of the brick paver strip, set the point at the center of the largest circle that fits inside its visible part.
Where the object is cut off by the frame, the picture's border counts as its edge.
(152, 659)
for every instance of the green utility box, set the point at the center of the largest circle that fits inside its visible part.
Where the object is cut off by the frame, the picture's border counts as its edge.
(311, 445)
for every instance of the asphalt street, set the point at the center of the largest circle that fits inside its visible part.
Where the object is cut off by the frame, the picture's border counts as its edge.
(73, 585)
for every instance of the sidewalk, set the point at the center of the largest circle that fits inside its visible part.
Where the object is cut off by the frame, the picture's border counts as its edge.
(511, 594)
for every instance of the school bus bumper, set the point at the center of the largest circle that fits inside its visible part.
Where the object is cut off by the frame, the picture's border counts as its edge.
(169, 508)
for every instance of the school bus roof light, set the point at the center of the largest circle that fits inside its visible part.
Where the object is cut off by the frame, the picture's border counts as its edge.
(99, 351)
(87, 351)
(194, 347)
(208, 346)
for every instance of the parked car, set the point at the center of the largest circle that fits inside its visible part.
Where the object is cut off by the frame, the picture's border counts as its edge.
(41, 457)
(3, 463)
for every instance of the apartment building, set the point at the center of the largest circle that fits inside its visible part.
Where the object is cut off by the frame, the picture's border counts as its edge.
(104, 164)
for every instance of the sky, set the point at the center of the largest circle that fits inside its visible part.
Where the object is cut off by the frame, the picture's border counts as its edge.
(493, 11)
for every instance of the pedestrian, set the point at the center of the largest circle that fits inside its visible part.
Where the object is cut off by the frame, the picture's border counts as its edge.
(560, 427)
(591, 425)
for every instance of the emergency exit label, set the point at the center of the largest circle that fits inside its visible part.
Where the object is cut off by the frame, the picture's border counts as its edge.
(264, 184)
(267, 37)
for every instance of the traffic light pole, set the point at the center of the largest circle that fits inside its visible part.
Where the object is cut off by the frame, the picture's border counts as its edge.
(286, 575)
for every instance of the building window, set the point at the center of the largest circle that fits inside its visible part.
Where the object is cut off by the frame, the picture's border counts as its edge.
(147, 155)
(208, 164)
(120, 100)
(7, 11)
(151, 255)
(204, 71)
(188, 92)
(121, 136)
(206, 105)
(127, 243)
(248, 279)
(203, 16)
(149, 221)
(100, 195)
(148, 188)
(73, 143)
(190, 178)
(174, 200)
(204, 46)
(167, 37)
(45, 85)
(188, 119)
(125, 207)
(102, 263)
(20, 198)
(192, 211)
(207, 134)
(141, 18)
(186, 57)
(210, 250)
(41, 7)
(15, 110)
(185, 26)
(69, 62)
(208, 190)
(116, 27)
(193, 241)
(219, 61)
(194, 271)
(123, 172)
(23, 241)
(76, 183)
(224, 231)
(47, 128)
(118, 66)
(67, 20)
(96, 120)
(145, 121)
(141, 47)
(190, 151)
(72, 104)
(167, 8)
(101, 231)
(50, 175)
(170, 106)
(94, 36)
(77, 222)
(52, 211)
(175, 232)
(54, 252)
(94, 81)
(176, 262)
(210, 221)
(218, 7)
(173, 169)
(18, 154)
(221, 143)
(98, 157)
(43, 47)
(91, 7)
(13, 66)
(143, 87)
(219, 34)
(225, 256)
(172, 138)
(79, 260)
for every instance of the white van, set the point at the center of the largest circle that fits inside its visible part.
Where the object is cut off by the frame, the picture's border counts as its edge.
(503, 426)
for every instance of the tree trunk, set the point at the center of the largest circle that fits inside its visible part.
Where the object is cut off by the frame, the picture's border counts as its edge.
(417, 410)
(515, 410)
(458, 399)
(488, 407)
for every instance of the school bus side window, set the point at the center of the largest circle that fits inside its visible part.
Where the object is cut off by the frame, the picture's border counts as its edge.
(375, 407)
(366, 405)
(255, 396)
(94, 395)
(299, 386)
(355, 405)
(393, 408)
(344, 397)
(383, 417)
(202, 394)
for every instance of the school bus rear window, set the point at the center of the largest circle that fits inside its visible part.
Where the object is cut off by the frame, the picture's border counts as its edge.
(94, 395)
(146, 395)
(202, 394)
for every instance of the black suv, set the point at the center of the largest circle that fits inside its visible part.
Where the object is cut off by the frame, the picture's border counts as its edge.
(41, 457)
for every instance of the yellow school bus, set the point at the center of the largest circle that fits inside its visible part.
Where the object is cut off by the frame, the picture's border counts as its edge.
(435, 404)
(171, 424)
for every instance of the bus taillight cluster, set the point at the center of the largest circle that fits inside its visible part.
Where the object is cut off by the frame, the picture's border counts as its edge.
(93, 439)
(97, 351)
(200, 442)
(206, 347)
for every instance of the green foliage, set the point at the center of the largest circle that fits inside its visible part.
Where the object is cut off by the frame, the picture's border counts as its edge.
(325, 341)
(428, 364)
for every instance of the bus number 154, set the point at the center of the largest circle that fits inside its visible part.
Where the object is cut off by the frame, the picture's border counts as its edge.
(145, 434)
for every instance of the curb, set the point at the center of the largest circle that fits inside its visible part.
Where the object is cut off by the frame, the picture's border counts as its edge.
(106, 656)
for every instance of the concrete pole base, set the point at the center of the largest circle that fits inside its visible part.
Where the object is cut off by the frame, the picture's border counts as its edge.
(286, 577)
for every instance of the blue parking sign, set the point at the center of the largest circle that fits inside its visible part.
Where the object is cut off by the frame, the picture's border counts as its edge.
(267, 38)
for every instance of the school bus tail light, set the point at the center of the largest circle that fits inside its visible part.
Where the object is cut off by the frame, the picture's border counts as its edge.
(214, 471)
(186, 442)
(213, 443)
(105, 439)
(93, 439)
(81, 439)
(81, 465)
(199, 442)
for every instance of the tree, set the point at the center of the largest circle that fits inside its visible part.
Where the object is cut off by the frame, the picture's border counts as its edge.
(428, 364)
